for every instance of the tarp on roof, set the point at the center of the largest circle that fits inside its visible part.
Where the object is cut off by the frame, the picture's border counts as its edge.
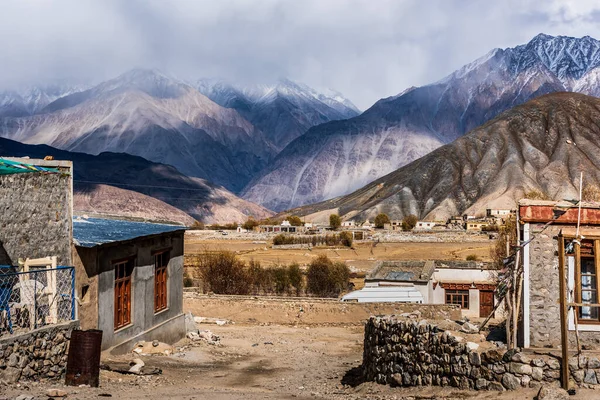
(8, 167)
(90, 232)
(385, 294)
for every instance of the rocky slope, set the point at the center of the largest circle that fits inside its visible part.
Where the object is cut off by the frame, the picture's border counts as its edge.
(126, 185)
(543, 145)
(338, 157)
(146, 113)
(283, 111)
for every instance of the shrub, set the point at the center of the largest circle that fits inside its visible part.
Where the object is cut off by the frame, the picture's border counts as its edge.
(346, 239)
(294, 220)
(250, 224)
(223, 273)
(325, 278)
(381, 220)
(472, 257)
(295, 277)
(258, 278)
(280, 279)
(409, 222)
(283, 239)
(535, 194)
(187, 280)
(335, 221)
(197, 225)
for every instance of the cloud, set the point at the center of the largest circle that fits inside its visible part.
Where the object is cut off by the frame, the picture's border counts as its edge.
(365, 49)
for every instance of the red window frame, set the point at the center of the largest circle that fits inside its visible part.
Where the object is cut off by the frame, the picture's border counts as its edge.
(161, 263)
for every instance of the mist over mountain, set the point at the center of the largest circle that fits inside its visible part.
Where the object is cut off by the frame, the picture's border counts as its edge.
(543, 144)
(339, 157)
(283, 111)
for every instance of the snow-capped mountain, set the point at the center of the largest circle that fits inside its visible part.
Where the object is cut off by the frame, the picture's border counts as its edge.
(339, 157)
(531, 146)
(284, 110)
(147, 113)
(30, 100)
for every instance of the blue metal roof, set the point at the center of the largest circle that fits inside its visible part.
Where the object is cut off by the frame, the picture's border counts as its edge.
(90, 232)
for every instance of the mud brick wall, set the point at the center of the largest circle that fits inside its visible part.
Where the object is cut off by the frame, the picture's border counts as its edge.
(407, 353)
(41, 353)
(35, 216)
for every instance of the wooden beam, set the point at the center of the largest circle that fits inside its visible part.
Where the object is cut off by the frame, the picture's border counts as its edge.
(564, 338)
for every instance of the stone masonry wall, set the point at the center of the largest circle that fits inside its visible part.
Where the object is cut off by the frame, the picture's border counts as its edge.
(407, 353)
(35, 216)
(41, 353)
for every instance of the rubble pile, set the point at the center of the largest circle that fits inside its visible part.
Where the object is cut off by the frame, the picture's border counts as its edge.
(409, 353)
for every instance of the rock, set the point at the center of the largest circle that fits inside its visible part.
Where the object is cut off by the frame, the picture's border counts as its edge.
(24, 397)
(525, 379)
(510, 381)
(190, 324)
(56, 393)
(13, 360)
(155, 343)
(496, 386)
(552, 393)
(520, 369)
(590, 377)
(538, 362)
(475, 359)
(508, 355)
(10, 375)
(492, 356)
(468, 327)
(578, 375)
(537, 373)
(220, 322)
(593, 363)
(521, 358)
(481, 384)
(136, 366)
(472, 346)
(553, 363)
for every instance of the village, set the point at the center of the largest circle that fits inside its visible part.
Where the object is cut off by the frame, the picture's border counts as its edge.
(128, 309)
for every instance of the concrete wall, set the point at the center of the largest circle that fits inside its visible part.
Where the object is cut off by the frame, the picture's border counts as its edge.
(36, 211)
(142, 286)
(86, 275)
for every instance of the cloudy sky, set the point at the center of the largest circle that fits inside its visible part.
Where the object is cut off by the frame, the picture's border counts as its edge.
(366, 49)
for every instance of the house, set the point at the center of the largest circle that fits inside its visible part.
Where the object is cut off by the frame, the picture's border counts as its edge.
(496, 212)
(129, 279)
(476, 226)
(348, 224)
(393, 225)
(469, 284)
(367, 226)
(425, 225)
(553, 243)
(284, 227)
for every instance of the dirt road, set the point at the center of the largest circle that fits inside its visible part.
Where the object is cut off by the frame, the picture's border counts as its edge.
(261, 362)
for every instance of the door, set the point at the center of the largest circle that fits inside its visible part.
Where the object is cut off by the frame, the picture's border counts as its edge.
(486, 303)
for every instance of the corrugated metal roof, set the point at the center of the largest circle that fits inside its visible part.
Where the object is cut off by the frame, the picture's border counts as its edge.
(385, 294)
(90, 232)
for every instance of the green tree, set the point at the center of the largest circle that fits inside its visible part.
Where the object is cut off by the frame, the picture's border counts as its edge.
(294, 220)
(346, 238)
(335, 221)
(295, 277)
(325, 278)
(409, 222)
(381, 220)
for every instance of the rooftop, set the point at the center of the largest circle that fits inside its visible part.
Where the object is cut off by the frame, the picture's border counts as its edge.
(419, 271)
(91, 232)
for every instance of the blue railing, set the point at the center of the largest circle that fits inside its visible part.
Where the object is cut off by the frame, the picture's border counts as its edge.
(35, 298)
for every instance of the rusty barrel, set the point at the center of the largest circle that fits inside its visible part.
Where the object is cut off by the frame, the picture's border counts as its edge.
(83, 362)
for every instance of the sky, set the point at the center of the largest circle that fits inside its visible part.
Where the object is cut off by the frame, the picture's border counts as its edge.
(365, 49)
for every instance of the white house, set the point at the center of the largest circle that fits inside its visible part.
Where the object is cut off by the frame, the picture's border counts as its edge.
(348, 224)
(425, 225)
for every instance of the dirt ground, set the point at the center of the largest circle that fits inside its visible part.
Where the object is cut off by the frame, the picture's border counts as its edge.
(260, 362)
(362, 258)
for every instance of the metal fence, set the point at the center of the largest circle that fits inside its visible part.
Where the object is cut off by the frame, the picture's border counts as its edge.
(36, 298)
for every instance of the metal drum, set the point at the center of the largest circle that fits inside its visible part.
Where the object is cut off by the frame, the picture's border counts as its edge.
(83, 362)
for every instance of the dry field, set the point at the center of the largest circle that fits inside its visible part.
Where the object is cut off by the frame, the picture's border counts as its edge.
(362, 258)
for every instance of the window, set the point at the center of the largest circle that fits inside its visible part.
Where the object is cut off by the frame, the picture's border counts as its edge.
(123, 271)
(161, 261)
(587, 281)
(460, 297)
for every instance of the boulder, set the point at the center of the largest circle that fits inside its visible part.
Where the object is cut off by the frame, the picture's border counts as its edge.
(590, 377)
(537, 373)
(468, 327)
(521, 358)
(520, 369)
(552, 393)
(510, 381)
(553, 363)
(10, 375)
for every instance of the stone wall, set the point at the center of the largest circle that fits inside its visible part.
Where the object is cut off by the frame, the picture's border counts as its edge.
(304, 310)
(36, 214)
(406, 353)
(41, 353)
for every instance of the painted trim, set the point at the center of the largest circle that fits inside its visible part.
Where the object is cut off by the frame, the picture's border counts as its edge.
(526, 290)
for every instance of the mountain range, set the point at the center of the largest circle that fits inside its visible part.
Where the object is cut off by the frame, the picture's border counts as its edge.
(120, 184)
(338, 157)
(541, 145)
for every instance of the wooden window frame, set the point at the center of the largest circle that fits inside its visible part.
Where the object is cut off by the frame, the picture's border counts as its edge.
(123, 272)
(455, 293)
(578, 290)
(161, 280)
